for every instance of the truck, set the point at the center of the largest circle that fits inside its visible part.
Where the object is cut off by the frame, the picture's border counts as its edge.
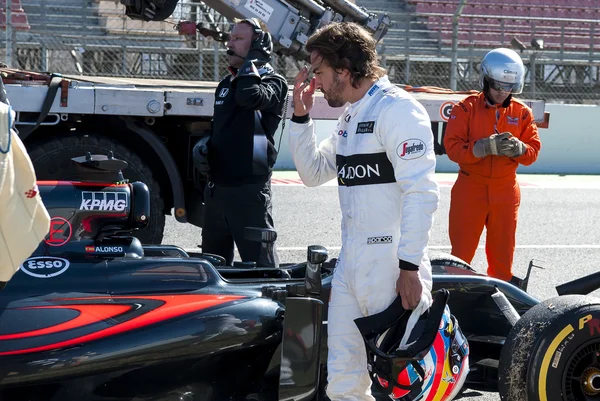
(153, 124)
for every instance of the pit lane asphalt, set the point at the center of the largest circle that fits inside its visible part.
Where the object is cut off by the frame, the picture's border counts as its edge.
(558, 226)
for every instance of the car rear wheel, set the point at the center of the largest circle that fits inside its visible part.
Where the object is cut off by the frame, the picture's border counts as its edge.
(553, 352)
(52, 161)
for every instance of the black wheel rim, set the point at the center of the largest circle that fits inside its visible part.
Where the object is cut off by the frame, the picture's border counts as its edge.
(581, 380)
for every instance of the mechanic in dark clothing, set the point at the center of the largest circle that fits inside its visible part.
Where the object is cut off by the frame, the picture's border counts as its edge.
(249, 106)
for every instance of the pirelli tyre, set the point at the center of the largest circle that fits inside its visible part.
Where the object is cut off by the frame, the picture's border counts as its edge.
(51, 159)
(445, 263)
(553, 352)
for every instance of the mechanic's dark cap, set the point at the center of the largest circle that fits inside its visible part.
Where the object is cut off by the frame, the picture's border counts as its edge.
(382, 333)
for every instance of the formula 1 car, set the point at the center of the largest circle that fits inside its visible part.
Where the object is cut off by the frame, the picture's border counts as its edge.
(95, 315)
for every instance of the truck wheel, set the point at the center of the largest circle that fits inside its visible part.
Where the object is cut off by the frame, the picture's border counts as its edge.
(553, 352)
(445, 263)
(52, 161)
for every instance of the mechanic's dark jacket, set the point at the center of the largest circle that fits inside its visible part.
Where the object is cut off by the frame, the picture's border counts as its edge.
(246, 117)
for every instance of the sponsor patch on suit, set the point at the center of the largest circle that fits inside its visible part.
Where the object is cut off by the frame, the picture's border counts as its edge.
(387, 239)
(365, 127)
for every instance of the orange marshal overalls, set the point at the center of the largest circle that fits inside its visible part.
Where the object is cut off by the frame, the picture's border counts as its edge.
(486, 192)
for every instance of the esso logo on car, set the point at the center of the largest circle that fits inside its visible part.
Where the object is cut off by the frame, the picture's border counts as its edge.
(45, 266)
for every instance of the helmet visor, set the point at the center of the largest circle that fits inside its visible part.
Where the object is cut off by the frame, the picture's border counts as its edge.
(504, 86)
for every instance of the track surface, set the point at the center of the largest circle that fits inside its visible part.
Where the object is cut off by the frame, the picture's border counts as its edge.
(558, 227)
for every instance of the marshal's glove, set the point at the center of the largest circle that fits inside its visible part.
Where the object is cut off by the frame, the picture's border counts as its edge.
(514, 148)
(493, 145)
(258, 55)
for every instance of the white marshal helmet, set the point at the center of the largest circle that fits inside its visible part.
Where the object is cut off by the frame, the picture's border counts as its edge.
(503, 70)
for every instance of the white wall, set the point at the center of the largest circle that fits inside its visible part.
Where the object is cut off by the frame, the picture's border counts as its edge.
(571, 144)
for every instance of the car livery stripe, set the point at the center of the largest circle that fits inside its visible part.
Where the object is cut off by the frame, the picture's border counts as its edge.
(88, 314)
(170, 306)
(547, 358)
(81, 183)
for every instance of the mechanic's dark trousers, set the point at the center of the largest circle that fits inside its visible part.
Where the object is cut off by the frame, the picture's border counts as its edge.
(478, 202)
(228, 211)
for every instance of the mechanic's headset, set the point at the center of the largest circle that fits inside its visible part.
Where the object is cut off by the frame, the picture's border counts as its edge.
(262, 37)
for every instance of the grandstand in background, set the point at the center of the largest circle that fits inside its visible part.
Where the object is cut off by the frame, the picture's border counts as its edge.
(565, 68)
(557, 39)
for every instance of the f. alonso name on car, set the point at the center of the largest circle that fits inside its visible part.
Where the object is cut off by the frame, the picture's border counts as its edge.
(104, 201)
(104, 249)
(364, 169)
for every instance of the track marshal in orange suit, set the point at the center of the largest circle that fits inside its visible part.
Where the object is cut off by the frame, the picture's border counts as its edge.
(489, 135)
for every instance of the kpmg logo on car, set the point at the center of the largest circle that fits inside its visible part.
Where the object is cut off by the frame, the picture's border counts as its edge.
(44, 266)
(104, 201)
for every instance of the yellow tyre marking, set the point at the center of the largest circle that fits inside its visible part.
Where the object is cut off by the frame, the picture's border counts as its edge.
(548, 357)
(584, 320)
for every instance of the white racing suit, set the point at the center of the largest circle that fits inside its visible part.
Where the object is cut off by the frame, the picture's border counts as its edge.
(382, 154)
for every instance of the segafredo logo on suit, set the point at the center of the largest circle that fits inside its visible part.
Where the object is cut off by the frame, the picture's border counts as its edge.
(411, 149)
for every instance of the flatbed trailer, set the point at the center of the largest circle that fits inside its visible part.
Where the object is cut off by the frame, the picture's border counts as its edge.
(153, 125)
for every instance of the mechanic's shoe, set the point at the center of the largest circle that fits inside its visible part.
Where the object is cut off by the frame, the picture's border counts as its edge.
(522, 284)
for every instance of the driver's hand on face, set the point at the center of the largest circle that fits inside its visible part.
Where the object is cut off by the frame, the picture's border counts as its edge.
(304, 93)
(410, 288)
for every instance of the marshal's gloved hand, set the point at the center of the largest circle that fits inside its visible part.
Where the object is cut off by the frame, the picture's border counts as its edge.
(258, 55)
(514, 148)
(495, 145)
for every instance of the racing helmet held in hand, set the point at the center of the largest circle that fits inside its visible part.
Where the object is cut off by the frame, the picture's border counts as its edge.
(502, 69)
(413, 356)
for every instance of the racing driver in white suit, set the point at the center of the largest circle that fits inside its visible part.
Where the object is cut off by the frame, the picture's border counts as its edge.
(382, 155)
